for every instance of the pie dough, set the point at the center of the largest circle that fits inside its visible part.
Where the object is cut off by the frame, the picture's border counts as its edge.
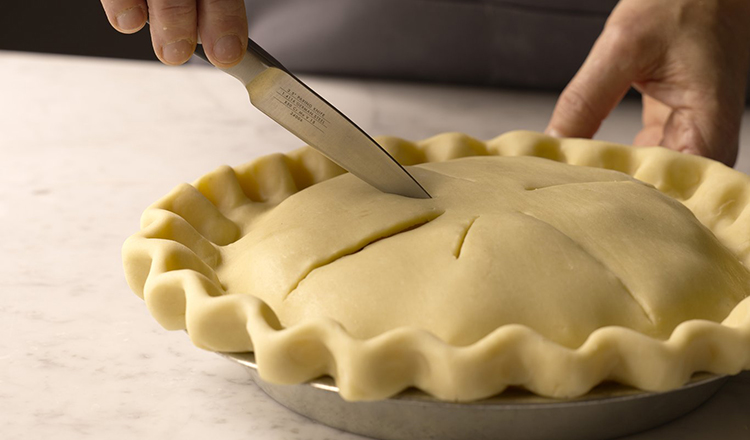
(521, 270)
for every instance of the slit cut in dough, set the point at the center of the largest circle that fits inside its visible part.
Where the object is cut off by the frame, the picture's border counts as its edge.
(537, 263)
(594, 248)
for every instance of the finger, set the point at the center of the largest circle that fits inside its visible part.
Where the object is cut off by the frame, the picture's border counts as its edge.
(706, 117)
(655, 115)
(127, 16)
(707, 131)
(174, 29)
(223, 29)
(596, 89)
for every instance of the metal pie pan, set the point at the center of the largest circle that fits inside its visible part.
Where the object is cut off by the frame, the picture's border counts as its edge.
(608, 411)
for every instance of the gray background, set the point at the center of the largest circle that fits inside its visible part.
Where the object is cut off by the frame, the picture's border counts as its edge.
(517, 43)
(520, 44)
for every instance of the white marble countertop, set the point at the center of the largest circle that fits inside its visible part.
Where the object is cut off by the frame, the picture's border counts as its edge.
(85, 146)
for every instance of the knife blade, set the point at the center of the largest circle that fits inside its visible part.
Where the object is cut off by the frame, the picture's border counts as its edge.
(284, 98)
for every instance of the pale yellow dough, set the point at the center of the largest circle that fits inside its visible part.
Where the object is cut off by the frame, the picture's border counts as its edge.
(519, 271)
(505, 240)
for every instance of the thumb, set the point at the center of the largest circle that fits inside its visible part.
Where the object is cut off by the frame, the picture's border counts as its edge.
(596, 89)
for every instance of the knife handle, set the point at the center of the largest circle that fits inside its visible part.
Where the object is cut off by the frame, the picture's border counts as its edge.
(255, 61)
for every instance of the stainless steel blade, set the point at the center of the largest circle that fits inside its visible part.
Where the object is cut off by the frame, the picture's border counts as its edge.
(296, 107)
(304, 113)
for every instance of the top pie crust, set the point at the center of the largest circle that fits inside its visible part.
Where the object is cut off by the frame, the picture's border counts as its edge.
(521, 270)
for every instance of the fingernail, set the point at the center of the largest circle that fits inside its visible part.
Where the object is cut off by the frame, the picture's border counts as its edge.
(227, 49)
(131, 19)
(552, 132)
(177, 52)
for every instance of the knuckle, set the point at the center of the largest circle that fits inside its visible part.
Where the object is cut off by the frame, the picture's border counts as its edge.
(175, 12)
(631, 46)
(110, 6)
(625, 38)
(115, 7)
(229, 8)
(574, 104)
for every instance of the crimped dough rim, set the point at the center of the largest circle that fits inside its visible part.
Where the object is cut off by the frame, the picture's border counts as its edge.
(170, 261)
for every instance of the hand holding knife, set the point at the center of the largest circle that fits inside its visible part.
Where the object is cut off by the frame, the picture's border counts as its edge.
(304, 113)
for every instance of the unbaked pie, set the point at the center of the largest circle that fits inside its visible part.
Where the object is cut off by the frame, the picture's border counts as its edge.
(548, 264)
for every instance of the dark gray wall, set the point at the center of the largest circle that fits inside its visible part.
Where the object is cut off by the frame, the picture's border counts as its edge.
(76, 27)
(512, 43)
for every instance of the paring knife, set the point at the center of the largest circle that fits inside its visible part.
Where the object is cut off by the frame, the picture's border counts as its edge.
(281, 96)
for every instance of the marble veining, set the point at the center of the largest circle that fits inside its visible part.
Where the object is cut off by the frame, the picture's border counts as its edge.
(85, 146)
